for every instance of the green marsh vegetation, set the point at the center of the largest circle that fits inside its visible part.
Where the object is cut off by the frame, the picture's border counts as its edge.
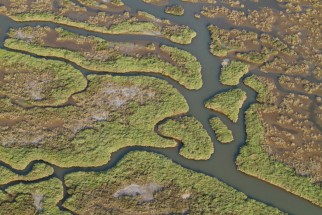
(182, 190)
(176, 10)
(262, 19)
(228, 103)
(223, 133)
(38, 171)
(281, 66)
(113, 112)
(156, 2)
(38, 82)
(254, 159)
(103, 56)
(196, 142)
(276, 44)
(300, 85)
(232, 72)
(67, 13)
(224, 41)
(257, 57)
(102, 4)
(32, 198)
(261, 87)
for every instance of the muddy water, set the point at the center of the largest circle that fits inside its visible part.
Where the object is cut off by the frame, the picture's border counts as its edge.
(222, 164)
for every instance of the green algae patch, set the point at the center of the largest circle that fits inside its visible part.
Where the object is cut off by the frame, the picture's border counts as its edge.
(38, 171)
(176, 10)
(232, 72)
(223, 133)
(99, 55)
(197, 144)
(255, 161)
(228, 103)
(38, 82)
(112, 113)
(32, 198)
(179, 190)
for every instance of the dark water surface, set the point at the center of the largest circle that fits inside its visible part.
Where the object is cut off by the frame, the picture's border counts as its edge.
(222, 164)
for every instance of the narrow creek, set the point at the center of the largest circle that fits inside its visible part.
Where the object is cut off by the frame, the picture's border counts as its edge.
(222, 164)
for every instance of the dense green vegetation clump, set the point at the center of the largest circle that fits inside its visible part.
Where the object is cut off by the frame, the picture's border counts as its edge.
(228, 103)
(197, 144)
(40, 82)
(176, 10)
(102, 4)
(182, 190)
(223, 133)
(39, 170)
(257, 57)
(232, 72)
(32, 198)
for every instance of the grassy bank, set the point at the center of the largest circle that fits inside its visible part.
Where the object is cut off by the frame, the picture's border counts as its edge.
(182, 190)
(38, 171)
(197, 144)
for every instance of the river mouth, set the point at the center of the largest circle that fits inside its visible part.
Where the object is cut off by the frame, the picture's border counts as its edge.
(222, 164)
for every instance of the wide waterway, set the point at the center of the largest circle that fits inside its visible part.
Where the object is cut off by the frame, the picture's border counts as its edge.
(221, 165)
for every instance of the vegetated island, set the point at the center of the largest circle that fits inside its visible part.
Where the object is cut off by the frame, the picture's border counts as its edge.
(110, 5)
(232, 72)
(66, 12)
(176, 10)
(144, 182)
(164, 2)
(223, 133)
(228, 103)
(196, 142)
(96, 54)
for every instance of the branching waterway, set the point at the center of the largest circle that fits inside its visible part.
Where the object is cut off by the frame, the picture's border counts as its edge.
(221, 165)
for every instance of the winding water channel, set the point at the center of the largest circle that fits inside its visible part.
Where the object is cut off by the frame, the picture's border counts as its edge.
(222, 164)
